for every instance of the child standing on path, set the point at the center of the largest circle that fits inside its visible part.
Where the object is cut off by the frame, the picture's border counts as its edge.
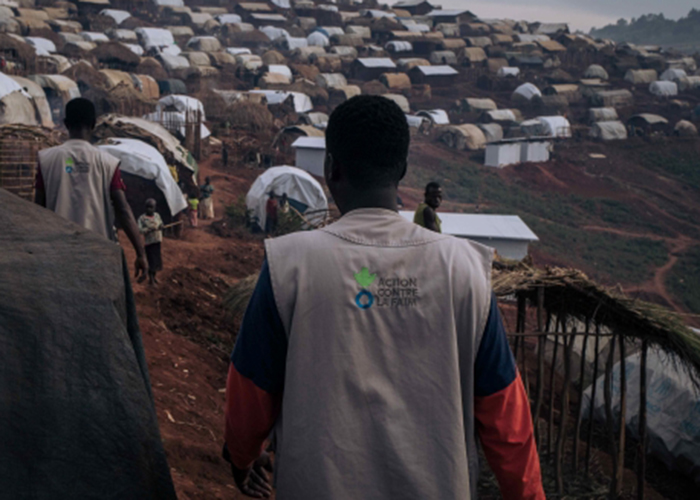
(151, 226)
(193, 201)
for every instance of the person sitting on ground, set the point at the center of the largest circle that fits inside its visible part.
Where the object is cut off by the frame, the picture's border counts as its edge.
(207, 206)
(271, 213)
(151, 226)
(375, 348)
(193, 209)
(426, 215)
(84, 184)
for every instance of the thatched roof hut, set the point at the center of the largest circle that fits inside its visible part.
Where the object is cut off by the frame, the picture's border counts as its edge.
(395, 81)
(17, 52)
(463, 137)
(115, 55)
(151, 67)
(86, 76)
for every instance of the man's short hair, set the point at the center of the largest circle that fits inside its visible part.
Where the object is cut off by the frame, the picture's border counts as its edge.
(80, 113)
(431, 185)
(369, 137)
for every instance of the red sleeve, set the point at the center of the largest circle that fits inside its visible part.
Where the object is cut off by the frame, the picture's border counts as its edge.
(505, 428)
(117, 183)
(39, 179)
(250, 415)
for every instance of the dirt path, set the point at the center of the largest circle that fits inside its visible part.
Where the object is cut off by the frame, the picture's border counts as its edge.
(656, 285)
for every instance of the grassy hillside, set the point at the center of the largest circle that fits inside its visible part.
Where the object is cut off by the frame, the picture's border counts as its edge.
(617, 220)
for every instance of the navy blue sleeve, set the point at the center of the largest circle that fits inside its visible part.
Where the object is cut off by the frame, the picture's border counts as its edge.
(260, 353)
(494, 369)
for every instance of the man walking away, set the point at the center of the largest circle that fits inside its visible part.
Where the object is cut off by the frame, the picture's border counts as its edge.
(426, 215)
(151, 226)
(224, 155)
(375, 348)
(207, 206)
(83, 184)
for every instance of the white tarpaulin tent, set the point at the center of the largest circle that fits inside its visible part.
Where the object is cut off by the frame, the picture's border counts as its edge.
(673, 409)
(613, 130)
(302, 102)
(526, 91)
(119, 16)
(42, 46)
(664, 89)
(304, 192)
(155, 37)
(181, 103)
(555, 126)
(143, 160)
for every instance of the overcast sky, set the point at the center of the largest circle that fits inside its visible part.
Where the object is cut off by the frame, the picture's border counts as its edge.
(580, 14)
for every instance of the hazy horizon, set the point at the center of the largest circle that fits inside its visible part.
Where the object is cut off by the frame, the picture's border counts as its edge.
(593, 13)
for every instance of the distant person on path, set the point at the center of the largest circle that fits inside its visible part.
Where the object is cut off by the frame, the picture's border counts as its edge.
(271, 213)
(224, 156)
(151, 226)
(83, 184)
(375, 348)
(284, 204)
(426, 214)
(193, 209)
(207, 206)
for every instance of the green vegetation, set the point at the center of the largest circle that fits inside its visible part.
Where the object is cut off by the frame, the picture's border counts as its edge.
(557, 219)
(684, 166)
(655, 29)
(684, 279)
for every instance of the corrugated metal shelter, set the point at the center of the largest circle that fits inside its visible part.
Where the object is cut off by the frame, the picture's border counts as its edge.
(310, 154)
(507, 234)
(433, 75)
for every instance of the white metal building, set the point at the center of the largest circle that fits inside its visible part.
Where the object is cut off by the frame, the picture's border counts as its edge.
(310, 154)
(510, 152)
(507, 234)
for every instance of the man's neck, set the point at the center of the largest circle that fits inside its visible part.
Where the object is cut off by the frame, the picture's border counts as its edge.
(79, 135)
(385, 198)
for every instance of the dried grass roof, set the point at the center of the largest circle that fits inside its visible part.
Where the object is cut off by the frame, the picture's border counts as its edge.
(571, 291)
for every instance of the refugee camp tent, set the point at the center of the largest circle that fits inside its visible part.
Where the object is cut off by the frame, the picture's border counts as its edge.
(396, 81)
(438, 76)
(143, 160)
(42, 46)
(331, 80)
(445, 57)
(525, 93)
(16, 105)
(476, 105)
(304, 193)
(673, 75)
(38, 96)
(310, 154)
(612, 130)
(673, 408)
(684, 128)
(463, 137)
(317, 39)
(204, 44)
(602, 115)
(59, 91)
(646, 123)
(400, 100)
(436, 116)
(74, 384)
(501, 116)
(302, 102)
(554, 126)
(663, 88)
(621, 98)
(641, 76)
(155, 38)
(596, 71)
(156, 135)
(508, 71)
(119, 16)
(492, 131)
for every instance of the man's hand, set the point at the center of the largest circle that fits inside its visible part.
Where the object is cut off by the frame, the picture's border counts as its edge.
(255, 482)
(141, 268)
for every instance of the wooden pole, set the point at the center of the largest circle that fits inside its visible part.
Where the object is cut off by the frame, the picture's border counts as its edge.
(522, 316)
(642, 450)
(579, 416)
(564, 413)
(623, 421)
(552, 389)
(593, 394)
(541, 345)
(609, 415)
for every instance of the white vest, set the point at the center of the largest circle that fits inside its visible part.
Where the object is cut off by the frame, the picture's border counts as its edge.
(77, 178)
(384, 319)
